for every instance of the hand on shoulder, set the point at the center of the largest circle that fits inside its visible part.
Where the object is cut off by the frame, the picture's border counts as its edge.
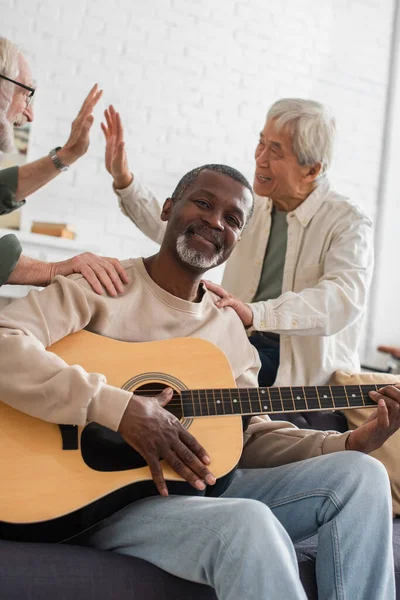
(226, 299)
(101, 272)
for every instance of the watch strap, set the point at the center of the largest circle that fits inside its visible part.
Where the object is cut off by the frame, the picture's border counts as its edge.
(57, 162)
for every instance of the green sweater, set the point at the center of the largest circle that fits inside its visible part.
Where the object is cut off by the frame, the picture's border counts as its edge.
(8, 188)
(10, 248)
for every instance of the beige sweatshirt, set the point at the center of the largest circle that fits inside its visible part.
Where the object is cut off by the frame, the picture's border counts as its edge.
(41, 384)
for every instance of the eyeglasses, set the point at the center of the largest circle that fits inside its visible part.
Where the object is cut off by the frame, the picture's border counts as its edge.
(28, 97)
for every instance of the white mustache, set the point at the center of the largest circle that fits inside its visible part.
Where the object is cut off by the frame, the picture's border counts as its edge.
(20, 120)
(212, 234)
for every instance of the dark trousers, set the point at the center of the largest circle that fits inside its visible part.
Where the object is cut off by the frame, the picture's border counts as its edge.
(268, 349)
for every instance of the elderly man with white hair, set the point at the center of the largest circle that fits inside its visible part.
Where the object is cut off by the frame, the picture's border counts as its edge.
(300, 275)
(16, 183)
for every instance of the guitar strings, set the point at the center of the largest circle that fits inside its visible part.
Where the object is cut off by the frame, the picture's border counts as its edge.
(276, 403)
(244, 390)
(257, 391)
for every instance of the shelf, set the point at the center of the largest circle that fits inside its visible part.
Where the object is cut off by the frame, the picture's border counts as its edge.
(16, 291)
(50, 241)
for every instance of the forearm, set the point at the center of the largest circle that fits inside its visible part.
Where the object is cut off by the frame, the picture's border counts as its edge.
(36, 174)
(275, 443)
(335, 300)
(323, 310)
(40, 383)
(30, 271)
(141, 206)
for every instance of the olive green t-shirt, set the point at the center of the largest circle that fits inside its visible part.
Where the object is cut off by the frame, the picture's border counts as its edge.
(270, 285)
(8, 188)
(10, 248)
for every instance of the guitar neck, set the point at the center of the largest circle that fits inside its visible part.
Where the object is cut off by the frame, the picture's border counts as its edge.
(267, 400)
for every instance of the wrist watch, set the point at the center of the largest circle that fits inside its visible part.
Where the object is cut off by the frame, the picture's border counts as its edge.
(57, 162)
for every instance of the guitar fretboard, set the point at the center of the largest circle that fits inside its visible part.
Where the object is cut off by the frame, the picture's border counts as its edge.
(251, 401)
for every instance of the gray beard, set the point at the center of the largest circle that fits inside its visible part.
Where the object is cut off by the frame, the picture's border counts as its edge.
(194, 258)
(7, 143)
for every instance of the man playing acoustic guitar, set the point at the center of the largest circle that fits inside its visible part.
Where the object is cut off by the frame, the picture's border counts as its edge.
(296, 483)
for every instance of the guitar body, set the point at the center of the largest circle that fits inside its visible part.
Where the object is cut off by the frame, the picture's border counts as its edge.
(48, 491)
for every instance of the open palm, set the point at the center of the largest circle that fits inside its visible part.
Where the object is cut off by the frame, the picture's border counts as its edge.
(115, 158)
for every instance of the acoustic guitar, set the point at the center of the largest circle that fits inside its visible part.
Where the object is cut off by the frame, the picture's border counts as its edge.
(58, 480)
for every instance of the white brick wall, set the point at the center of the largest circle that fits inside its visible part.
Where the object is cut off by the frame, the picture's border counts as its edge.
(384, 322)
(193, 80)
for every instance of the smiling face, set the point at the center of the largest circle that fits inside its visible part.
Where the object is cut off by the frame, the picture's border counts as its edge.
(278, 174)
(205, 224)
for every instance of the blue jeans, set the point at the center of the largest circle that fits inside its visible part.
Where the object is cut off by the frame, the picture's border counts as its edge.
(242, 543)
(268, 350)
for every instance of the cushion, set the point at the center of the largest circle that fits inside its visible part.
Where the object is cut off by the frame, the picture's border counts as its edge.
(389, 453)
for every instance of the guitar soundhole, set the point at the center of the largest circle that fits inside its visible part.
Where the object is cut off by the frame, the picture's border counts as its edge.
(153, 389)
(105, 450)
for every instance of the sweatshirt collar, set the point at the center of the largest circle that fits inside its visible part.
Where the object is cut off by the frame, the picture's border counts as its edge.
(170, 299)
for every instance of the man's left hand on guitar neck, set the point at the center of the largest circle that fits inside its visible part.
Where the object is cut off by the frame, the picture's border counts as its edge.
(383, 422)
(380, 425)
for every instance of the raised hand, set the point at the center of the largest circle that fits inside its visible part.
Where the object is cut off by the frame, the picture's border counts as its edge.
(116, 160)
(381, 424)
(101, 272)
(78, 141)
(155, 434)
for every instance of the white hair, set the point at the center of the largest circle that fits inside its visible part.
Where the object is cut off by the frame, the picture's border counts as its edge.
(312, 127)
(9, 67)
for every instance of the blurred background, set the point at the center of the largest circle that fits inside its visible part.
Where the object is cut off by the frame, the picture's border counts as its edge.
(193, 80)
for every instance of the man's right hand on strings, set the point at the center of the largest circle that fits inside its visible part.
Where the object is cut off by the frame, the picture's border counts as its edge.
(157, 434)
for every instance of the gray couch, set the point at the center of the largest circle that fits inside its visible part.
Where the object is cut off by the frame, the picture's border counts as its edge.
(45, 571)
